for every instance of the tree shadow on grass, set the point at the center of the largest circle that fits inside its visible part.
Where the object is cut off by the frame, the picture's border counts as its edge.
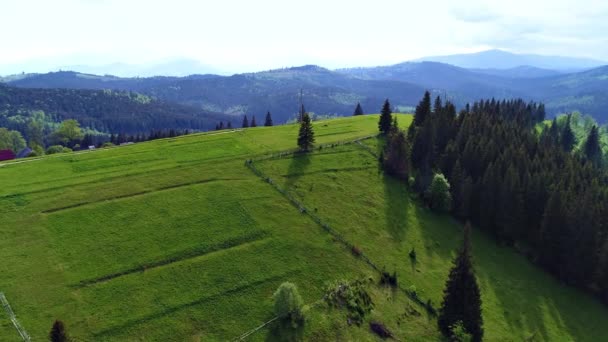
(396, 207)
(282, 330)
(299, 163)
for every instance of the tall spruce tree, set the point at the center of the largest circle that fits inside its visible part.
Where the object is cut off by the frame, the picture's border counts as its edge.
(253, 123)
(358, 110)
(423, 110)
(268, 121)
(245, 122)
(592, 149)
(58, 333)
(396, 161)
(567, 139)
(386, 119)
(306, 135)
(462, 298)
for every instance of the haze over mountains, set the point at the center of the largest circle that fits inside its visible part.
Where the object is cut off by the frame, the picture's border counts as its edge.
(563, 83)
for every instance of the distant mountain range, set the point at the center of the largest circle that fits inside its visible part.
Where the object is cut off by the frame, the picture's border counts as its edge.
(500, 59)
(490, 74)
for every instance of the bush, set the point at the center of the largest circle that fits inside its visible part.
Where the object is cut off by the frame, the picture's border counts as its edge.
(380, 330)
(459, 333)
(412, 291)
(352, 296)
(107, 144)
(439, 193)
(288, 304)
(57, 149)
(356, 251)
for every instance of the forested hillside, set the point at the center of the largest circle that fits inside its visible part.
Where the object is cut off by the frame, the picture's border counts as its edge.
(517, 185)
(98, 110)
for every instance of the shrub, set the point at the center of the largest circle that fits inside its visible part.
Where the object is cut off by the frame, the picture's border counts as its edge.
(356, 251)
(57, 149)
(412, 291)
(439, 193)
(352, 296)
(288, 304)
(107, 144)
(459, 333)
(58, 333)
(380, 330)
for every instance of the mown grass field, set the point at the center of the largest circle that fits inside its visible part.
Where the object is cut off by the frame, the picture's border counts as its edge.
(177, 240)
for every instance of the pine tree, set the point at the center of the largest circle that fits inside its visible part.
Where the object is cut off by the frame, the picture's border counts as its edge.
(268, 121)
(253, 123)
(221, 126)
(423, 110)
(395, 158)
(592, 149)
(229, 126)
(306, 135)
(58, 333)
(384, 124)
(245, 122)
(358, 110)
(462, 298)
(567, 139)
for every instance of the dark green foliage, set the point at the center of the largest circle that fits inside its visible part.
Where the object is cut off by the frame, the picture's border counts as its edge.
(245, 122)
(268, 120)
(358, 109)
(253, 123)
(388, 279)
(423, 110)
(396, 155)
(567, 139)
(592, 149)
(502, 175)
(229, 125)
(439, 193)
(352, 296)
(58, 333)
(462, 298)
(288, 304)
(306, 135)
(412, 254)
(384, 124)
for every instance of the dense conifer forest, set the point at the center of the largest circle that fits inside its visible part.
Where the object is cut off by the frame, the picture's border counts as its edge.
(522, 185)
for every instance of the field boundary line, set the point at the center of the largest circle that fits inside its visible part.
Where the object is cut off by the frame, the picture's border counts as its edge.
(249, 163)
(11, 315)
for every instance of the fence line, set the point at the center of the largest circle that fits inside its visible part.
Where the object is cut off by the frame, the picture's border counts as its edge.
(11, 315)
(250, 164)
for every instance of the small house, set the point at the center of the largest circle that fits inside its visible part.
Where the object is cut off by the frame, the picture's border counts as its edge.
(6, 155)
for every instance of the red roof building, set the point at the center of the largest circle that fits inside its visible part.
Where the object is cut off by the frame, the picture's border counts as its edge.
(6, 155)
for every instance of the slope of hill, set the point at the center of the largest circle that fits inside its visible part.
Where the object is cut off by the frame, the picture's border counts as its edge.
(276, 91)
(500, 59)
(519, 72)
(177, 239)
(101, 110)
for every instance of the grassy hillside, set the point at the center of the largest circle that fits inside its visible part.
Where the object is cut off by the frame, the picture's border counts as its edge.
(177, 239)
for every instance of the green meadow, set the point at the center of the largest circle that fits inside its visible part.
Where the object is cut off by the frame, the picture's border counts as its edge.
(178, 240)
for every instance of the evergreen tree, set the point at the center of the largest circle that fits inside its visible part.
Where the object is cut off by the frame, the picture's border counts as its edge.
(462, 298)
(358, 109)
(301, 113)
(253, 123)
(396, 161)
(306, 135)
(288, 303)
(268, 121)
(229, 125)
(423, 110)
(245, 122)
(567, 139)
(553, 250)
(58, 333)
(592, 149)
(221, 125)
(384, 125)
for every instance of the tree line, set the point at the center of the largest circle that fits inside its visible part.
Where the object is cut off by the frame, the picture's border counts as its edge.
(513, 177)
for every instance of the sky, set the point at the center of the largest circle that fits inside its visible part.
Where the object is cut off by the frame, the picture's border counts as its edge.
(251, 35)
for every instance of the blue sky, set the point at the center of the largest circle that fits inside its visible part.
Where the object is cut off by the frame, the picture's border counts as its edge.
(246, 35)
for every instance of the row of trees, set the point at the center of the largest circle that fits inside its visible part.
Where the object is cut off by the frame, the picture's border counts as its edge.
(246, 123)
(527, 189)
